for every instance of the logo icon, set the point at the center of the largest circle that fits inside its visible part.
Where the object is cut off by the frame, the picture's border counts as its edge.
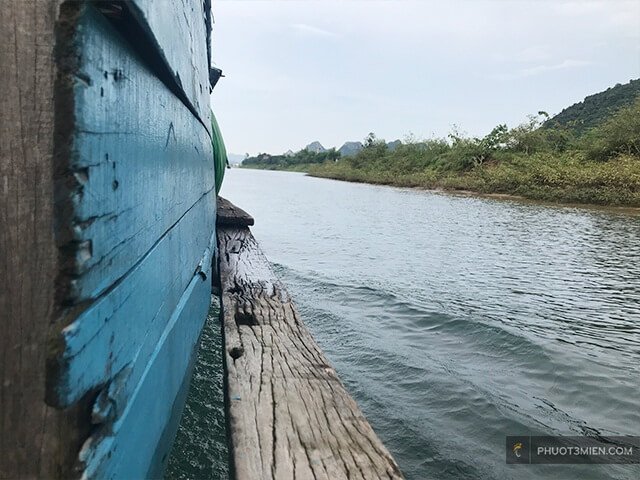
(517, 449)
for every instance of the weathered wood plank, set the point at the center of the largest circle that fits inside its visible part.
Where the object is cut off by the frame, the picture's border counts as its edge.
(120, 330)
(106, 221)
(127, 447)
(137, 158)
(136, 219)
(36, 441)
(179, 30)
(228, 215)
(290, 417)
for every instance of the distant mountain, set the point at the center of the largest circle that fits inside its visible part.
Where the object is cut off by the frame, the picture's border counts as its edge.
(393, 145)
(315, 147)
(350, 148)
(594, 109)
(235, 158)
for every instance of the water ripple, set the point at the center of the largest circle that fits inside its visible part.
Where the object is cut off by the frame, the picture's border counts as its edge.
(455, 321)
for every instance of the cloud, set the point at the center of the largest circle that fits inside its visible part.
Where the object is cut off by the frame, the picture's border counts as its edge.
(619, 16)
(532, 54)
(527, 72)
(409, 65)
(535, 53)
(313, 31)
(541, 69)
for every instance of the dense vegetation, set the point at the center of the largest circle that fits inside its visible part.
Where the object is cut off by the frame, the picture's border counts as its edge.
(596, 109)
(588, 153)
(561, 163)
(299, 161)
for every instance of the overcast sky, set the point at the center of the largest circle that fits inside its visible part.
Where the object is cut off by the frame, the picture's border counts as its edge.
(299, 71)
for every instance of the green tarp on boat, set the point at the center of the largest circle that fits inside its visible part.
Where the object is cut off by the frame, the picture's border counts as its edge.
(219, 152)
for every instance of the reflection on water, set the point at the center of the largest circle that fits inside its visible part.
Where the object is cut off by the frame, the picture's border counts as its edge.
(456, 320)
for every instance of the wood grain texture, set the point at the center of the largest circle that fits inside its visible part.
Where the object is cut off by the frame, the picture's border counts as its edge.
(127, 444)
(289, 415)
(135, 218)
(228, 215)
(119, 331)
(136, 159)
(107, 213)
(179, 30)
(35, 440)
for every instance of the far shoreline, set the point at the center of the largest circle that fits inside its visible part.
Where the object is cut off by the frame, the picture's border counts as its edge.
(618, 208)
(626, 209)
(629, 209)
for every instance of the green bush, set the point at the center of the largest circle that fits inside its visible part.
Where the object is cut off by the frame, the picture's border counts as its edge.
(298, 161)
(545, 163)
(618, 135)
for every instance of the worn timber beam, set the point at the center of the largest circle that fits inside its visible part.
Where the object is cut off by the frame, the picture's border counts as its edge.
(36, 441)
(289, 415)
(228, 215)
(107, 228)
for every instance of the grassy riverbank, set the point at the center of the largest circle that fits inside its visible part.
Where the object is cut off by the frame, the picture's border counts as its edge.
(300, 167)
(567, 179)
(542, 162)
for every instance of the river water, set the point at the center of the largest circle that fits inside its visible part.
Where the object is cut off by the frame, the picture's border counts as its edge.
(456, 320)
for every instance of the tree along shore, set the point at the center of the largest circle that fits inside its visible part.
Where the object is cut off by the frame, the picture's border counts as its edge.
(537, 160)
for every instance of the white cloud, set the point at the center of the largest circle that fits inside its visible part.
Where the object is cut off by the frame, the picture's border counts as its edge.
(541, 69)
(619, 16)
(535, 53)
(527, 72)
(313, 31)
(298, 71)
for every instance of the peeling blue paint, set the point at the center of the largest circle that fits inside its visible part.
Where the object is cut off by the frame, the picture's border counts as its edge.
(126, 451)
(139, 238)
(121, 137)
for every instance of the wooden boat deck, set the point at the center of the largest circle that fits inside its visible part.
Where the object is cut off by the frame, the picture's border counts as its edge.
(289, 415)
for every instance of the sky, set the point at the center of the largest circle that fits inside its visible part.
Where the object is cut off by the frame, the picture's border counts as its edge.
(333, 71)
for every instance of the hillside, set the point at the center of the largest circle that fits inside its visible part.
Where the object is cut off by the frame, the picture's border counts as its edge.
(595, 109)
(589, 153)
(601, 166)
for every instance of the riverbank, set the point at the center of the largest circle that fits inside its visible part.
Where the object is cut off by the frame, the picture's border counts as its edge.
(301, 167)
(542, 177)
(537, 160)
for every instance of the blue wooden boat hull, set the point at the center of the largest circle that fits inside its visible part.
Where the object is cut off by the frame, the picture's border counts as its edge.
(135, 226)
